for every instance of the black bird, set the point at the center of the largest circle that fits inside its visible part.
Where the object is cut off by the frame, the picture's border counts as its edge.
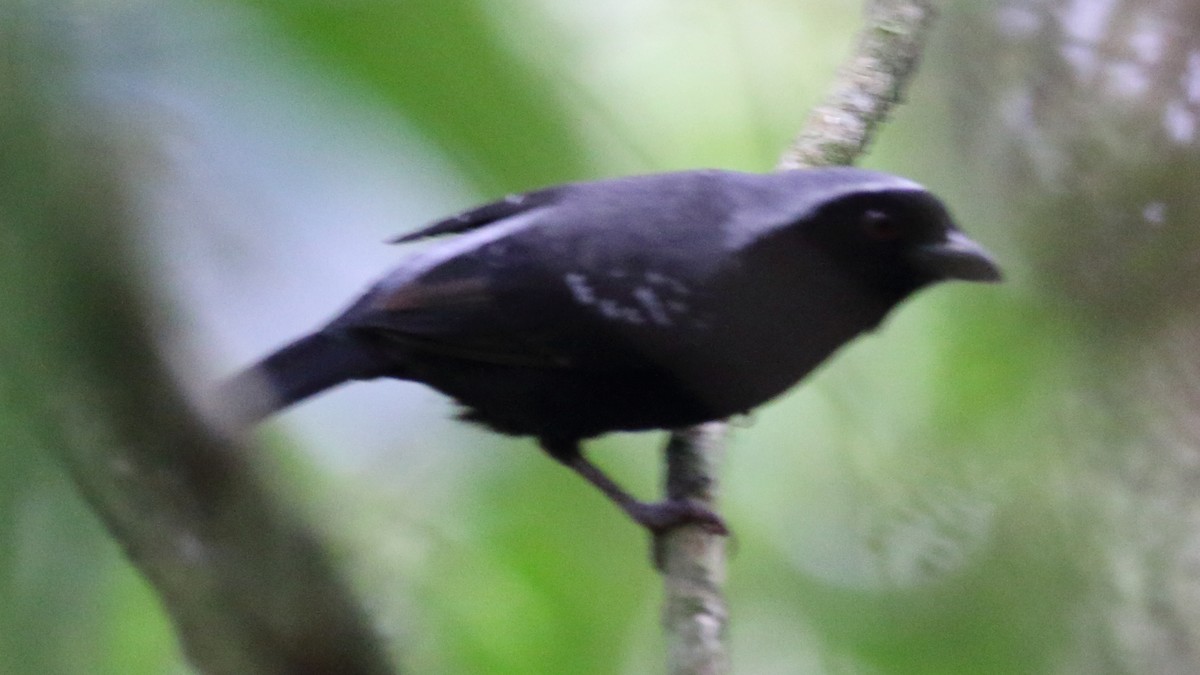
(651, 302)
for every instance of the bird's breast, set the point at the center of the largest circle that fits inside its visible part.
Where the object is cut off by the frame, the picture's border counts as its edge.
(754, 339)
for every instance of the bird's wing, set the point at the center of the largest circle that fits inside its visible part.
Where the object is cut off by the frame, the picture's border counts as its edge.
(512, 309)
(468, 318)
(587, 275)
(461, 317)
(482, 215)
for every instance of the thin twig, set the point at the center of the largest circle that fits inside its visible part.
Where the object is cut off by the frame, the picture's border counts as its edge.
(693, 560)
(871, 82)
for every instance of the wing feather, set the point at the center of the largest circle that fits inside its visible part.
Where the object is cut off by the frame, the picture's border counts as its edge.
(482, 215)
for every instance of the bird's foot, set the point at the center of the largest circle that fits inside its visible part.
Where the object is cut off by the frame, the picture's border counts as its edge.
(664, 516)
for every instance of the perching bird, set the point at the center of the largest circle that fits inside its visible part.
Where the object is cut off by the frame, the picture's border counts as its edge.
(651, 302)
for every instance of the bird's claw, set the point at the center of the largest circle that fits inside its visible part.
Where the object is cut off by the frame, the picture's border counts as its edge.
(662, 517)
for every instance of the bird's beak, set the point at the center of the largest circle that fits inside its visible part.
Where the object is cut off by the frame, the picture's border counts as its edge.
(957, 257)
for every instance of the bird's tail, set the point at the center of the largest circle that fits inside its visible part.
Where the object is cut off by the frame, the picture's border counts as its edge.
(301, 369)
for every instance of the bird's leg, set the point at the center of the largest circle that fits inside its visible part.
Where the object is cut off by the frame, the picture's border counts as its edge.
(657, 517)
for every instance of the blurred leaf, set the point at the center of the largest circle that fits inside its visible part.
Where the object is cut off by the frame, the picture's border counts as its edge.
(441, 65)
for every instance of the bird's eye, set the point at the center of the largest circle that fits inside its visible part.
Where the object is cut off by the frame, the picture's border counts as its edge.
(880, 226)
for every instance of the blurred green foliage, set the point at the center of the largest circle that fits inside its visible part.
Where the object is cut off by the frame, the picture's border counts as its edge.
(444, 67)
(924, 504)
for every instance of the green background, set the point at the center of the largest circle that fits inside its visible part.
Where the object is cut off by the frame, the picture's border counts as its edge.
(999, 481)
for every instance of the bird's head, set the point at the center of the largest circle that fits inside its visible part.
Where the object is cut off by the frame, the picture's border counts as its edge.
(894, 235)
